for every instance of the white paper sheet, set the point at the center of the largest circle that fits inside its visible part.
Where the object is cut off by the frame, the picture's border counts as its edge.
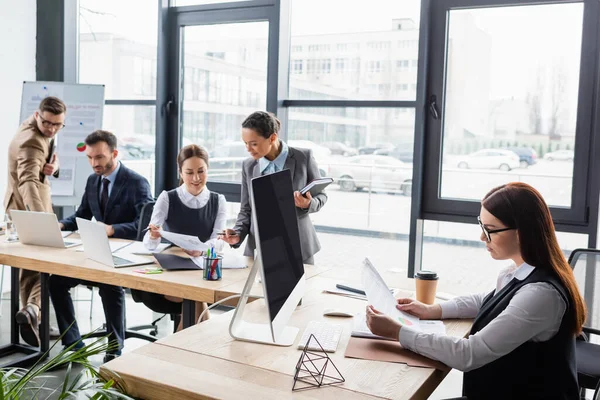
(380, 297)
(139, 248)
(186, 242)
(360, 328)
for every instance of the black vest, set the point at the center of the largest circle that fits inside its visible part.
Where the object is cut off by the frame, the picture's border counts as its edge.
(192, 221)
(534, 370)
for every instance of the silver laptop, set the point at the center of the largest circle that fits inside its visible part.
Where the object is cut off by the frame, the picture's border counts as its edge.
(40, 229)
(97, 247)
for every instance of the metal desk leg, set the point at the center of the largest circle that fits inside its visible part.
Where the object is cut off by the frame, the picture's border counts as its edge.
(189, 313)
(45, 311)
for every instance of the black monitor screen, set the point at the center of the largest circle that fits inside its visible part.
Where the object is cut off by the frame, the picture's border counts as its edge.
(279, 238)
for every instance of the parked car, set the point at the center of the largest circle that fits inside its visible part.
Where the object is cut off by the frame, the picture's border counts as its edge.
(373, 171)
(503, 160)
(563, 155)
(527, 155)
(372, 148)
(400, 153)
(339, 148)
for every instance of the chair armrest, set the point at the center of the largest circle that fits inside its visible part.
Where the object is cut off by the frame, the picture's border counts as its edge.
(591, 331)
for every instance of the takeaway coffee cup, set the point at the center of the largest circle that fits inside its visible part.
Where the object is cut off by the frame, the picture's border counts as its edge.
(426, 285)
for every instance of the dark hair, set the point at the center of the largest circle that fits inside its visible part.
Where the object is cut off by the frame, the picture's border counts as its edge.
(520, 206)
(102, 136)
(189, 151)
(53, 105)
(262, 122)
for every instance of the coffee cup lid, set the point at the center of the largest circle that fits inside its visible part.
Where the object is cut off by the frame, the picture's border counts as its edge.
(426, 275)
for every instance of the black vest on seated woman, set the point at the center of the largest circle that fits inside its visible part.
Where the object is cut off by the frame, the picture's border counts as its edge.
(192, 221)
(534, 370)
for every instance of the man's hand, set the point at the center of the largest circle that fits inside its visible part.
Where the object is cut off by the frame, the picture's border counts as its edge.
(301, 201)
(61, 226)
(108, 228)
(52, 167)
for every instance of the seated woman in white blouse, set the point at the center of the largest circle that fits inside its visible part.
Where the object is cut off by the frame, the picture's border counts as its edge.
(190, 209)
(522, 343)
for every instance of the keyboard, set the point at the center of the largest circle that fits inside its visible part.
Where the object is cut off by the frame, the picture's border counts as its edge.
(326, 333)
(120, 261)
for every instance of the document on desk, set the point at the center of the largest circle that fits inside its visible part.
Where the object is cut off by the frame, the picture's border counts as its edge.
(139, 248)
(380, 297)
(186, 242)
(360, 328)
(114, 246)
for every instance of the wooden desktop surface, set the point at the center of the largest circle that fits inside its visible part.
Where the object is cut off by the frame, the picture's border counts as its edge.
(213, 347)
(68, 262)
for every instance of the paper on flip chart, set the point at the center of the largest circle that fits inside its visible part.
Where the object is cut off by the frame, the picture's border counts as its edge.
(186, 242)
(380, 297)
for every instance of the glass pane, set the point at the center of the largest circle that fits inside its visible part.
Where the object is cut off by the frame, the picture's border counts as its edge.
(224, 80)
(134, 126)
(511, 100)
(368, 153)
(457, 254)
(117, 47)
(371, 53)
(179, 3)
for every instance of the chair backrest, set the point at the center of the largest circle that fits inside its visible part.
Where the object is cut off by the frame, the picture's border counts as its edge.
(145, 216)
(586, 268)
(597, 393)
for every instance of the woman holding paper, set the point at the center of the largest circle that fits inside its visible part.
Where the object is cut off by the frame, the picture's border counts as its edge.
(522, 343)
(270, 154)
(190, 209)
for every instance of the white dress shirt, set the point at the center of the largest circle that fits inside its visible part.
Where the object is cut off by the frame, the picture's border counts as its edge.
(534, 314)
(161, 212)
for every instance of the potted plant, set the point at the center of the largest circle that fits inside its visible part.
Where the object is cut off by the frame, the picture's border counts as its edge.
(21, 383)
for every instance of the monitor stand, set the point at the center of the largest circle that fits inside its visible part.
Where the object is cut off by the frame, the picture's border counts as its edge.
(253, 332)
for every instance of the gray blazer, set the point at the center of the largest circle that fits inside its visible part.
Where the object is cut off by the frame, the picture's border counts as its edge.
(304, 169)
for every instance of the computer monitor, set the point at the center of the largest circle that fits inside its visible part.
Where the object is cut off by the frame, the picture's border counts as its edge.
(278, 259)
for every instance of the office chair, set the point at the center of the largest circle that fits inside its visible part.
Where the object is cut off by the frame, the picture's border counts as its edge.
(597, 393)
(586, 266)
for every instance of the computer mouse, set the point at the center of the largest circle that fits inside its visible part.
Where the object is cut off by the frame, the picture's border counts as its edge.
(336, 312)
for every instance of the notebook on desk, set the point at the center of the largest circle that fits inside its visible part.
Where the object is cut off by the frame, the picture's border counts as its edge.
(171, 262)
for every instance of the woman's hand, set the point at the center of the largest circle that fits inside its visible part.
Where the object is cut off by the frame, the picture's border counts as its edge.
(301, 201)
(154, 231)
(192, 253)
(381, 324)
(231, 237)
(418, 309)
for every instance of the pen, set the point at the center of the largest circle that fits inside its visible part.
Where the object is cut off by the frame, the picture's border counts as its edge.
(27, 207)
(350, 289)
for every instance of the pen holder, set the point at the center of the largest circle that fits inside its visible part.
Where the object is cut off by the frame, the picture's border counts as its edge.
(213, 268)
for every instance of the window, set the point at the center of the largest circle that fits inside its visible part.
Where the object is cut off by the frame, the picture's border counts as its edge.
(373, 188)
(374, 30)
(134, 127)
(296, 49)
(401, 65)
(115, 55)
(527, 109)
(296, 66)
(224, 79)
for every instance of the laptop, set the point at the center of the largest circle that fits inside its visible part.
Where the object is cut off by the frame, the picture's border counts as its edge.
(97, 247)
(40, 229)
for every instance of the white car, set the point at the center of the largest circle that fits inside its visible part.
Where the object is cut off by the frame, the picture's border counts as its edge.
(503, 160)
(563, 155)
(372, 171)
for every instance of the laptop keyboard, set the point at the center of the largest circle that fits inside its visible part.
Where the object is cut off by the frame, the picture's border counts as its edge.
(120, 261)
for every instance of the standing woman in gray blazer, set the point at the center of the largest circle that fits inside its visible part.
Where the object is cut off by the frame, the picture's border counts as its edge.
(270, 154)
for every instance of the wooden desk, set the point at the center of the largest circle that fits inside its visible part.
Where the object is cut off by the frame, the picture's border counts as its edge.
(212, 345)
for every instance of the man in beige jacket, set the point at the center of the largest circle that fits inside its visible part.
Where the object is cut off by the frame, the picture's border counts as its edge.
(31, 158)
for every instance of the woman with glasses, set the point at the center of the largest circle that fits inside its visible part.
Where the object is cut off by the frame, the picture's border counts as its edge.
(522, 343)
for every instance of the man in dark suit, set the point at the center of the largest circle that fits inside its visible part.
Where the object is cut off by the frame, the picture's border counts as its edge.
(114, 196)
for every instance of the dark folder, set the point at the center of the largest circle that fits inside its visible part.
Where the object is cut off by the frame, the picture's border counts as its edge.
(172, 262)
(315, 187)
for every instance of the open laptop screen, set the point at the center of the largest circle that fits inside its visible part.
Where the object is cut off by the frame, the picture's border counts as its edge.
(279, 239)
